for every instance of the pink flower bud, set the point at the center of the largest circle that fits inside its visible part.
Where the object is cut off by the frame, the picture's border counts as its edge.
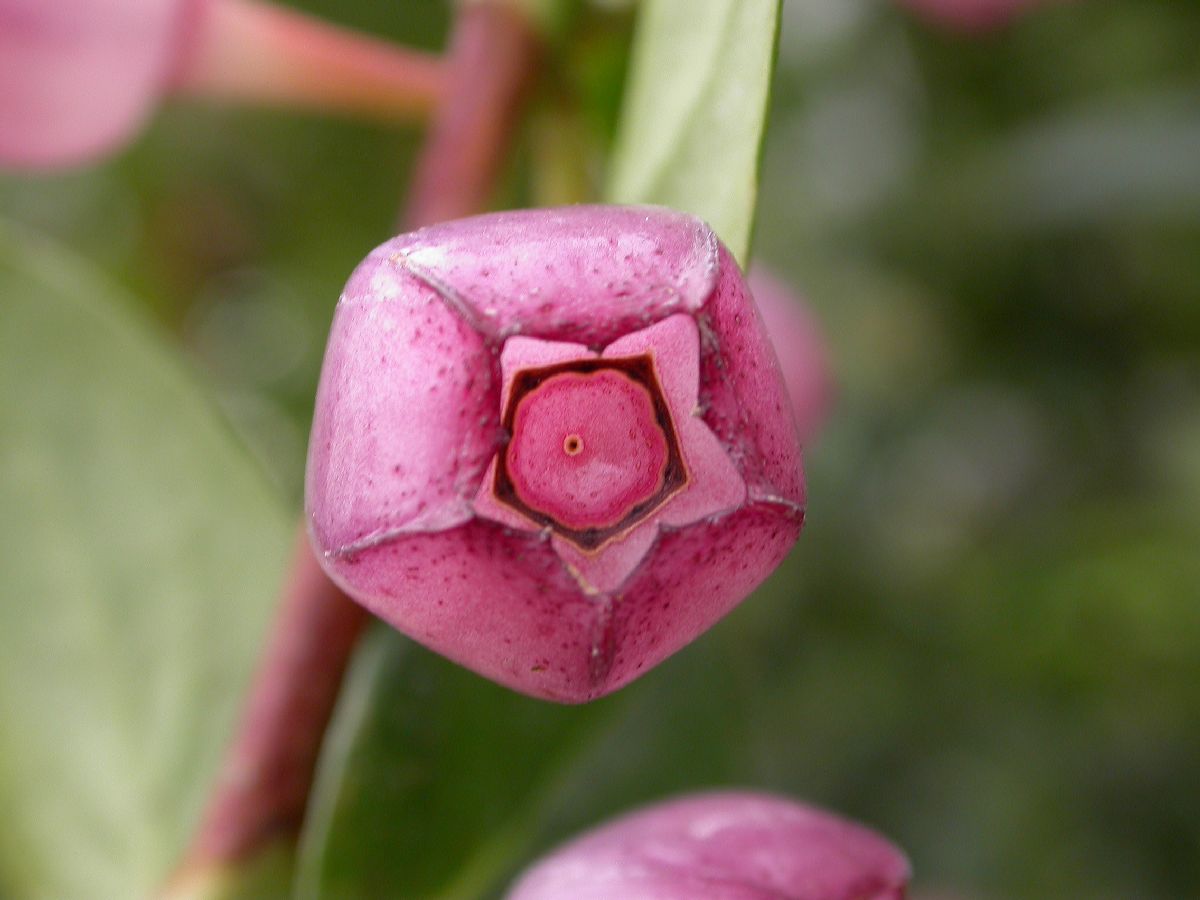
(971, 15)
(801, 349)
(552, 445)
(77, 77)
(721, 846)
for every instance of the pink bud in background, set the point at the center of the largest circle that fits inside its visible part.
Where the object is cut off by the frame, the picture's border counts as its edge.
(721, 846)
(972, 15)
(77, 77)
(553, 445)
(801, 349)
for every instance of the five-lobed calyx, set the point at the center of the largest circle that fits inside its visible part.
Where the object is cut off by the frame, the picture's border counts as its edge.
(603, 448)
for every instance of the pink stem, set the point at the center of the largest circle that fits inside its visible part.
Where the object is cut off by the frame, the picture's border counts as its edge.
(262, 793)
(263, 787)
(251, 51)
(494, 56)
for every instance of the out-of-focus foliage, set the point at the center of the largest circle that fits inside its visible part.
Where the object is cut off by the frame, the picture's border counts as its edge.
(987, 643)
(140, 549)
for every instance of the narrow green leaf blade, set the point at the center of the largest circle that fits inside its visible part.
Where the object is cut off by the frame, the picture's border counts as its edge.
(425, 777)
(140, 552)
(695, 111)
(437, 784)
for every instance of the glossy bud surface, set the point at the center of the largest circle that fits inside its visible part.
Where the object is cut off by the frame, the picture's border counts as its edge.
(553, 445)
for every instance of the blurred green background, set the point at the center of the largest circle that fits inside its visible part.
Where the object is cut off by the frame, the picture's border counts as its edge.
(987, 642)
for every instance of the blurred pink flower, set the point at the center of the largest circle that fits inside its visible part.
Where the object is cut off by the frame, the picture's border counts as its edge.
(721, 846)
(972, 15)
(801, 349)
(77, 77)
(553, 445)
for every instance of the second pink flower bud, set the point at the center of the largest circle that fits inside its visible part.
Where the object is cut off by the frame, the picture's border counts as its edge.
(725, 845)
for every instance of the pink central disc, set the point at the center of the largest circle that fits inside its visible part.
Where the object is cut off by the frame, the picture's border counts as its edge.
(586, 448)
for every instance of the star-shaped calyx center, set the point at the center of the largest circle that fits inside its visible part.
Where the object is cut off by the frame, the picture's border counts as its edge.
(604, 448)
(593, 448)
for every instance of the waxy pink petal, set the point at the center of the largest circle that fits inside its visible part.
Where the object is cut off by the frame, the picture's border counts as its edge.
(606, 571)
(714, 484)
(77, 77)
(721, 846)
(466, 477)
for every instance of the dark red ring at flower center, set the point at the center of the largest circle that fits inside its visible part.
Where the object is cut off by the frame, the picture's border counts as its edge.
(592, 448)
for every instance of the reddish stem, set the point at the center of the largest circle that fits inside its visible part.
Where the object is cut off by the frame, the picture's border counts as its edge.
(262, 793)
(493, 59)
(263, 788)
(250, 51)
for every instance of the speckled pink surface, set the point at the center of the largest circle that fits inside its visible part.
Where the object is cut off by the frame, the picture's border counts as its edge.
(77, 77)
(802, 351)
(721, 846)
(442, 334)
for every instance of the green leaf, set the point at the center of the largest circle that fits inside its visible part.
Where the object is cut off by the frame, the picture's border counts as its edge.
(438, 784)
(695, 111)
(425, 766)
(141, 552)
